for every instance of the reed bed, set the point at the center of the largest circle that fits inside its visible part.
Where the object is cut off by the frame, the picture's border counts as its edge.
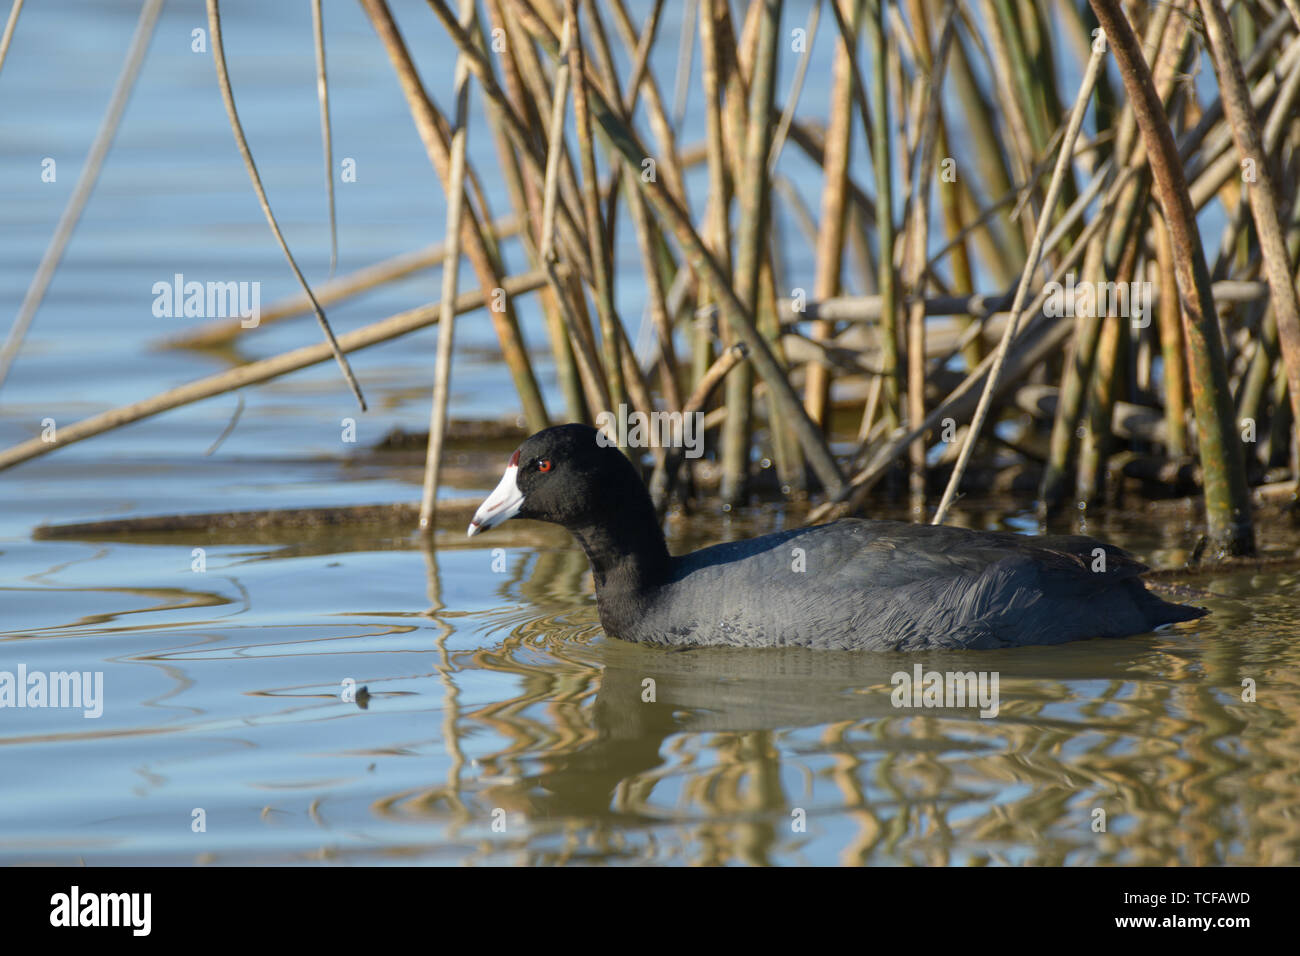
(1010, 287)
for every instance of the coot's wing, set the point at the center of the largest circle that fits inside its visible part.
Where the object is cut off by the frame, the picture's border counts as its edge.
(883, 585)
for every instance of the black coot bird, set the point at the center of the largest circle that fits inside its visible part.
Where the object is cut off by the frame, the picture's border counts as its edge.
(849, 585)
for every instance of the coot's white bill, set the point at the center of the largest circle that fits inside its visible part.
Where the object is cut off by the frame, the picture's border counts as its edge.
(504, 502)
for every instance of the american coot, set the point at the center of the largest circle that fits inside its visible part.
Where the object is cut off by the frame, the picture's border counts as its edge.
(852, 584)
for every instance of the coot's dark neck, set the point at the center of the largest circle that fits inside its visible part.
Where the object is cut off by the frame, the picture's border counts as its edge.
(626, 549)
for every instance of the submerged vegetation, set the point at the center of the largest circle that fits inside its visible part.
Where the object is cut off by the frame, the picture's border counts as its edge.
(1011, 285)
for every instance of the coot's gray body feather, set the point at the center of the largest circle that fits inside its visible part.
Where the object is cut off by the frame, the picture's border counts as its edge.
(850, 585)
(883, 585)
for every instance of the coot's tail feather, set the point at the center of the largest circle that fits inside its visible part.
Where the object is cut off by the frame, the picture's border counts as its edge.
(1162, 612)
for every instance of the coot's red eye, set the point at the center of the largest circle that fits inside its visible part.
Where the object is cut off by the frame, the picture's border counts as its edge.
(543, 464)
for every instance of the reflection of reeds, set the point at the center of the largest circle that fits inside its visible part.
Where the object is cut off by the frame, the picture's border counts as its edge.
(715, 768)
(962, 113)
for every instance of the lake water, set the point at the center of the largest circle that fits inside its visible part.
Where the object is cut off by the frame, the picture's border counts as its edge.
(499, 724)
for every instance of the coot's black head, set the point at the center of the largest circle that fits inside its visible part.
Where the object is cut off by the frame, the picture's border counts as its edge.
(567, 476)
